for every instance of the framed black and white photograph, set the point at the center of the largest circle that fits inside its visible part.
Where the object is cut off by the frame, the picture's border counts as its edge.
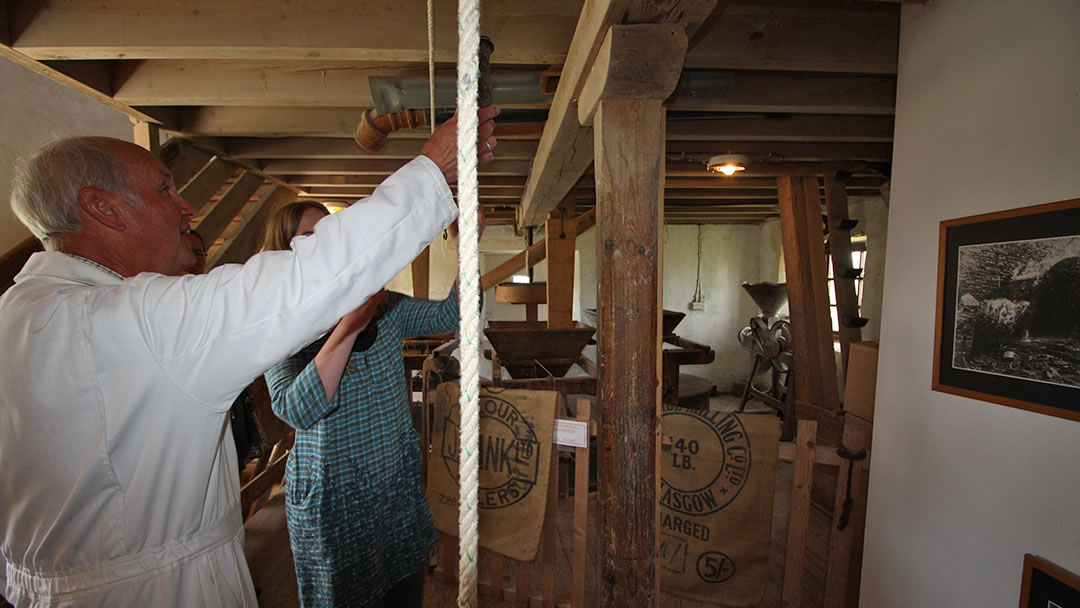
(1008, 308)
(1047, 585)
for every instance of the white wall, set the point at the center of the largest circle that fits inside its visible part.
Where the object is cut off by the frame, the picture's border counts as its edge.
(730, 256)
(33, 111)
(988, 118)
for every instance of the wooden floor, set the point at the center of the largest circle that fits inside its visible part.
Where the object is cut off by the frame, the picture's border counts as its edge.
(270, 559)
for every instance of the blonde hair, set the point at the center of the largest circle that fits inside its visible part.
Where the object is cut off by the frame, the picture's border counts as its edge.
(281, 227)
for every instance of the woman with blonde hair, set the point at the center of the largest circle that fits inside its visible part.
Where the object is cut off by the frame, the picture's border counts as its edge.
(359, 522)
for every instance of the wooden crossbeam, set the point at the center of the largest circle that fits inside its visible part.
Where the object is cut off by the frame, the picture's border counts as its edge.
(183, 160)
(340, 148)
(380, 30)
(214, 221)
(204, 185)
(238, 248)
(376, 167)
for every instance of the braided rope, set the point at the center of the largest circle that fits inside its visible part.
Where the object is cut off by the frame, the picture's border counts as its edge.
(468, 286)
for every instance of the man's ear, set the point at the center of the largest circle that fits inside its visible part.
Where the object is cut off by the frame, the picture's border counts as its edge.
(103, 207)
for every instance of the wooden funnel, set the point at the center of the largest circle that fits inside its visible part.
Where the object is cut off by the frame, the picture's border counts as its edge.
(770, 297)
(528, 349)
(672, 319)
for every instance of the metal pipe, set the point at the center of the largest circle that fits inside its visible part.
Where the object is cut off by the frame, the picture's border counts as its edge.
(373, 129)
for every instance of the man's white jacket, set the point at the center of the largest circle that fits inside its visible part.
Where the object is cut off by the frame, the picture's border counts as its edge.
(118, 475)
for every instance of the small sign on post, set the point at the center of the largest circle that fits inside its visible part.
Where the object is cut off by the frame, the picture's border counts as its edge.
(571, 433)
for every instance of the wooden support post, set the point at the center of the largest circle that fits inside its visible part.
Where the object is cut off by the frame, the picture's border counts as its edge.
(808, 297)
(560, 238)
(581, 512)
(551, 531)
(147, 135)
(421, 273)
(841, 540)
(629, 215)
(799, 518)
(847, 302)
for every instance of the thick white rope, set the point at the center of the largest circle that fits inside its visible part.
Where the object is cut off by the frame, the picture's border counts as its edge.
(431, 60)
(469, 292)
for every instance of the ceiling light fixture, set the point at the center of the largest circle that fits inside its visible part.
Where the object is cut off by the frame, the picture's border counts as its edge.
(728, 164)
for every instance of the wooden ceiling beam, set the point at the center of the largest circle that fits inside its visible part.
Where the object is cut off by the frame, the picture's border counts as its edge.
(784, 127)
(566, 147)
(584, 185)
(784, 150)
(783, 38)
(308, 181)
(341, 148)
(535, 33)
(375, 167)
(315, 83)
(798, 92)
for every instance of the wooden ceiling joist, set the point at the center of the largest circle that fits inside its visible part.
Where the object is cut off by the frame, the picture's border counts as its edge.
(214, 221)
(378, 30)
(340, 148)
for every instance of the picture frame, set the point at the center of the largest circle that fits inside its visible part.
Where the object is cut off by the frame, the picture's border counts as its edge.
(1047, 585)
(1007, 326)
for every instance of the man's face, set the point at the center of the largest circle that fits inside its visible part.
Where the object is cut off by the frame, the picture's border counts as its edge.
(155, 230)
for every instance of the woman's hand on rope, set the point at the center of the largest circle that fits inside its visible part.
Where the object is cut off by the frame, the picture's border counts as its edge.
(441, 147)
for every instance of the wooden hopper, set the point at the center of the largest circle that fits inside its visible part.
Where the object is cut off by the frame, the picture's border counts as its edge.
(528, 349)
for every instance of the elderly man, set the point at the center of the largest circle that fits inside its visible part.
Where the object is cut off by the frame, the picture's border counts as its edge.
(116, 487)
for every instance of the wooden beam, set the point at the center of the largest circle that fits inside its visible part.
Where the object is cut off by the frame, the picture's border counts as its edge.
(565, 149)
(784, 127)
(218, 217)
(798, 39)
(560, 234)
(340, 148)
(634, 62)
(376, 166)
(785, 150)
(183, 160)
(806, 92)
(147, 135)
(847, 302)
(808, 299)
(206, 184)
(421, 272)
(382, 30)
(630, 160)
(525, 259)
(486, 182)
(799, 515)
(683, 168)
(245, 241)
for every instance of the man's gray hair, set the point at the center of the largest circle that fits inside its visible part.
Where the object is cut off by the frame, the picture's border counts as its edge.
(45, 190)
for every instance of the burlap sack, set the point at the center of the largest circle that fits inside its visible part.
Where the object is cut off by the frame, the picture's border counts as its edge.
(515, 458)
(716, 504)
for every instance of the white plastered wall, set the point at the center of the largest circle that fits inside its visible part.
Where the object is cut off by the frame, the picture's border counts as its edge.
(34, 111)
(988, 118)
